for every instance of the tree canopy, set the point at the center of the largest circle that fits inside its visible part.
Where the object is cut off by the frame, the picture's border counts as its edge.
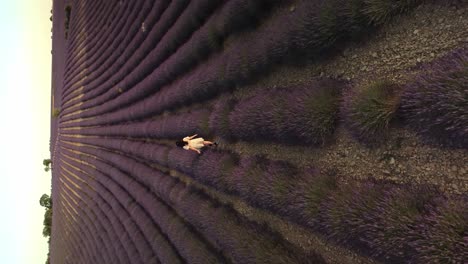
(46, 201)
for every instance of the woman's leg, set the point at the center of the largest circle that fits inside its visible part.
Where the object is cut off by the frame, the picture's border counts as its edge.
(207, 143)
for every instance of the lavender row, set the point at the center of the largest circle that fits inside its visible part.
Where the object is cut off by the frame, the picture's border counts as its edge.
(166, 127)
(190, 245)
(130, 44)
(135, 221)
(168, 18)
(107, 212)
(79, 51)
(65, 246)
(95, 49)
(205, 41)
(435, 105)
(94, 18)
(111, 214)
(87, 14)
(193, 16)
(369, 110)
(89, 223)
(80, 235)
(81, 12)
(308, 199)
(305, 114)
(76, 16)
(102, 215)
(247, 56)
(274, 185)
(91, 21)
(169, 15)
(88, 238)
(170, 94)
(131, 26)
(183, 235)
(69, 250)
(248, 243)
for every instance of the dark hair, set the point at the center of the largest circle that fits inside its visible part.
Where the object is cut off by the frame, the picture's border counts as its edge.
(180, 143)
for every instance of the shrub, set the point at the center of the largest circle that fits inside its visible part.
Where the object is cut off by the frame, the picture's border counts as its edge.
(444, 233)
(436, 104)
(265, 183)
(219, 118)
(393, 226)
(55, 112)
(306, 199)
(213, 167)
(344, 214)
(295, 115)
(333, 21)
(381, 11)
(369, 110)
(314, 111)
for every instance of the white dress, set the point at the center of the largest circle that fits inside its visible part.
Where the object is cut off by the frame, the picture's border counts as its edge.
(196, 143)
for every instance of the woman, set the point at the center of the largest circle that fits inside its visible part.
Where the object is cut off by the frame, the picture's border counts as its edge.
(194, 144)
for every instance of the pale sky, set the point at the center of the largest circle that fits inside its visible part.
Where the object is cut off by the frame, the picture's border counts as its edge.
(25, 92)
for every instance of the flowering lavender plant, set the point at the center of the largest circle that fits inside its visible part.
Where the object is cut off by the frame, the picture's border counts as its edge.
(436, 104)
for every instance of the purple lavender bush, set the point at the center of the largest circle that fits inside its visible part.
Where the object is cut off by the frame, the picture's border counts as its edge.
(345, 212)
(436, 104)
(219, 118)
(314, 111)
(381, 11)
(303, 114)
(444, 233)
(306, 198)
(265, 183)
(213, 167)
(261, 117)
(369, 110)
(393, 226)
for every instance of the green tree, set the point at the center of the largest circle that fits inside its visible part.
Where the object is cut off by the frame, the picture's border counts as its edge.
(47, 223)
(46, 201)
(46, 162)
(46, 231)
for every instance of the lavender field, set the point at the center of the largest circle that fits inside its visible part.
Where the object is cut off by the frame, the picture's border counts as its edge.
(331, 150)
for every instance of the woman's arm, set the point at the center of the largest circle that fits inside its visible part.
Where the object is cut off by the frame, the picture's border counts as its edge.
(193, 136)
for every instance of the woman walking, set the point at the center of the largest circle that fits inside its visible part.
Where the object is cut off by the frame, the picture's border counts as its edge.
(194, 144)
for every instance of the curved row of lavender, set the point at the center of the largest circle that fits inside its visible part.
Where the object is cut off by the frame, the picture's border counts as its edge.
(171, 225)
(172, 33)
(248, 243)
(436, 104)
(308, 114)
(121, 200)
(131, 42)
(95, 28)
(90, 21)
(248, 55)
(204, 41)
(313, 199)
(100, 51)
